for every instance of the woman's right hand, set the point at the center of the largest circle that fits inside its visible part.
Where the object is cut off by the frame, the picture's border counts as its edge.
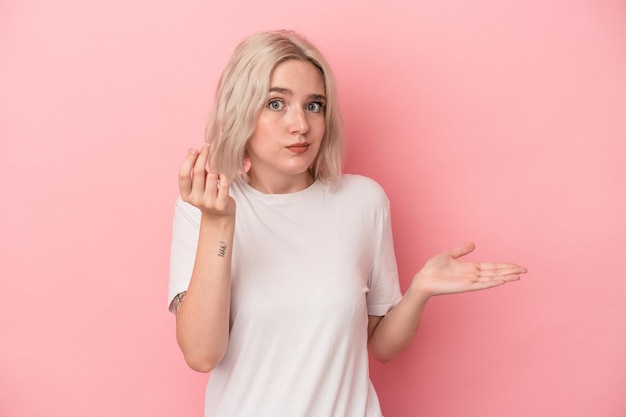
(204, 188)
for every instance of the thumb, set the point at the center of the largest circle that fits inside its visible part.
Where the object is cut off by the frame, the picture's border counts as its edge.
(461, 250)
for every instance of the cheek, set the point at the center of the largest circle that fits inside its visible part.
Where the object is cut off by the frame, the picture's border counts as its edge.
(261, 137)
(263, 129)
(320, 127)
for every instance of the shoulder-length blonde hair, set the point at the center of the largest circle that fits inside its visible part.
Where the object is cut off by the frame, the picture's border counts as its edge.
(242, 94)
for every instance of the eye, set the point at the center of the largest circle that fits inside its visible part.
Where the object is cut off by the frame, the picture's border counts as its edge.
(276, 104)
(315, 106)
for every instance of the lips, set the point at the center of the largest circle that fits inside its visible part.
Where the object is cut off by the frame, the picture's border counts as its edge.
(299, 147)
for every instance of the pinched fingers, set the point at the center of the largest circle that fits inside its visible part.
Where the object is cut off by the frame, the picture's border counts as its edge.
(192, 173)
(203, 188)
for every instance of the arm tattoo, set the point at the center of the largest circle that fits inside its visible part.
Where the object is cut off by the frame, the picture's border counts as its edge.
(222, 251)
(178, 301)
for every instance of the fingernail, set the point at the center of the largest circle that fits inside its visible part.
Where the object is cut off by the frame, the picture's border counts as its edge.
(192, 151)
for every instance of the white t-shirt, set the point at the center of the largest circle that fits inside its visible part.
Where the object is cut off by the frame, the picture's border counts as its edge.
(308, 268)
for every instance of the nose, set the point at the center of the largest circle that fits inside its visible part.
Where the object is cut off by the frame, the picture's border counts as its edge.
(298, 122)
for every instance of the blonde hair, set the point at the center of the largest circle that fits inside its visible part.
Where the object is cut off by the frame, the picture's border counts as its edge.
(242, 94)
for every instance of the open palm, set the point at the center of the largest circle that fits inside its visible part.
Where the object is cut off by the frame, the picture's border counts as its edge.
(446, 274)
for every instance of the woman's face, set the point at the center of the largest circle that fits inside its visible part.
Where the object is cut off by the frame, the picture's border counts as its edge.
(289, 129)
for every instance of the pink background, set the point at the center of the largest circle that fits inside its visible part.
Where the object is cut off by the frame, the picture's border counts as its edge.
(500, 124)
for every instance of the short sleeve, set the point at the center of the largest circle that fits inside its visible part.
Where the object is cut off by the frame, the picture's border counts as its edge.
(384, 286)
(185, 231)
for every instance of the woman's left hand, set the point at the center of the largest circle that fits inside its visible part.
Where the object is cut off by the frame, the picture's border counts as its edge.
(446, 274)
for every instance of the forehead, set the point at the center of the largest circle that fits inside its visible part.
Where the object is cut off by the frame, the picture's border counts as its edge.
(298, 74)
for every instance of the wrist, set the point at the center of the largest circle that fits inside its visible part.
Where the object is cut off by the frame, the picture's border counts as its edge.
(221, 228)
(222, 220)
(417, 290)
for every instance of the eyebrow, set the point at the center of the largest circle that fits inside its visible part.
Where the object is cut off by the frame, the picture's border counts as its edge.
(287, 91)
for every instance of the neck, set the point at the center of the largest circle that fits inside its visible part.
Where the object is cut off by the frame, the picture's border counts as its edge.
(281, 185)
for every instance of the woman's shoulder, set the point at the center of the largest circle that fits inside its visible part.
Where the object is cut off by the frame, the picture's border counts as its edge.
(361, 186)
(360, 181)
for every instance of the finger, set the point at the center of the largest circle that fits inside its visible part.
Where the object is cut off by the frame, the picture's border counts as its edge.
(211, 186)
(223, 190)
(509, 278)
(483, 285)
(501, 266)
(184, 175)
(199, 170)
(505, 278)
(461, 250)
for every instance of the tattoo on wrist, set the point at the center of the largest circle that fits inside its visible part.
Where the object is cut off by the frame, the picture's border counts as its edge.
(178, 301)
(222, 251)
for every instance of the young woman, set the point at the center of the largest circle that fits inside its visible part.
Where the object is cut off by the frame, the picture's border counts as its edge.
(286, 266)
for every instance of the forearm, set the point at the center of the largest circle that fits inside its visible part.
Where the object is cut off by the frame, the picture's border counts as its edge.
(202, 322)
(395, 331)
